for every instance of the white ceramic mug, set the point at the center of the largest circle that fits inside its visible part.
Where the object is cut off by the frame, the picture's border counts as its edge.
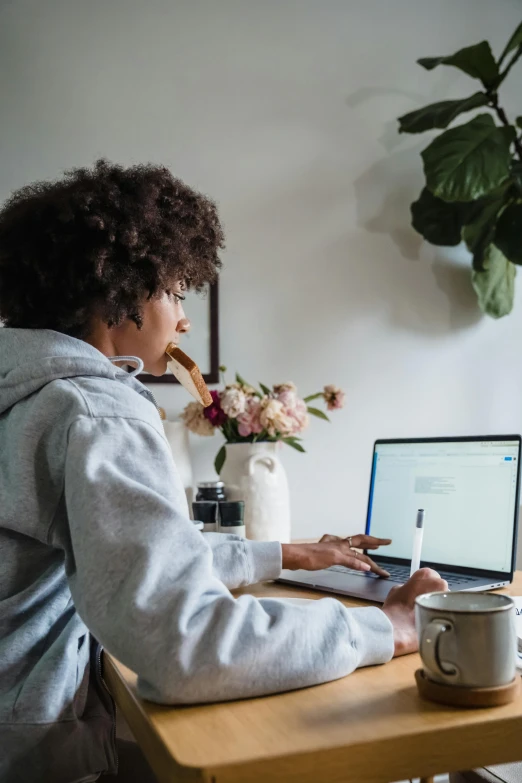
(467, 639)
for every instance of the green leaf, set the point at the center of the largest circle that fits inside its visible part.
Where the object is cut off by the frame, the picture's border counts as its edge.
(241, 380)
(220, 459)
(519, 122)
(316, 412)
(313, 397)
(469, 161)
(265, 389)
(437, 221)
(291, 442)
(439, 115)
(495, 286)
(514, 42)
(479, 230)
(508, 233)
(477, 61)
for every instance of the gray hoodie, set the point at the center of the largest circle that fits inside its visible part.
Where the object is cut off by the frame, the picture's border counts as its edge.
(96, 548)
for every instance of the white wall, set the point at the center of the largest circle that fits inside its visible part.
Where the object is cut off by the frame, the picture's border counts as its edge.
(284, 111)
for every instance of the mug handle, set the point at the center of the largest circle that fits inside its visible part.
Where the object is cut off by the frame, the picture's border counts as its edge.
(270, 462)
(429, 649)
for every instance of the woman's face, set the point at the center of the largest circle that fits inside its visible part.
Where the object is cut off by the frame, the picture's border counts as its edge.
(163, 322)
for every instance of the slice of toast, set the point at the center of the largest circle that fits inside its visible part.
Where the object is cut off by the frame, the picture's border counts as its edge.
(188, 374)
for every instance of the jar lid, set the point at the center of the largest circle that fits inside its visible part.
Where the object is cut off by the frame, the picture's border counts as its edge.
(211, 484)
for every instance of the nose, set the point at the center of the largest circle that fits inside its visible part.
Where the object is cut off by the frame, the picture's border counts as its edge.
(183, 326)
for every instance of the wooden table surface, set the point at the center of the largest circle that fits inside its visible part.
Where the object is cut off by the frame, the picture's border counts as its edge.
(370, 726)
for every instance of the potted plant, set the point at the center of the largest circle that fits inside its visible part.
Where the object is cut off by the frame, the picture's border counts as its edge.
(473, 172)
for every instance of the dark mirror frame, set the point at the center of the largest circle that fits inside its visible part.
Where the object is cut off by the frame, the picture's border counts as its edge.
(213, 375)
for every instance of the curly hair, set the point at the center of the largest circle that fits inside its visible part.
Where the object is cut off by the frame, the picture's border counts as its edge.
(100, 242)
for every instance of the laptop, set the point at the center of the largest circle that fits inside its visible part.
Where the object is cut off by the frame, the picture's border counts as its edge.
(469, 490)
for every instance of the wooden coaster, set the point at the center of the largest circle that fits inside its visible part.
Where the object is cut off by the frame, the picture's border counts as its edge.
(457, 696)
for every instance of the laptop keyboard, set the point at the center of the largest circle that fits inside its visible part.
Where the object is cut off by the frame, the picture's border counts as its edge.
(401, 574)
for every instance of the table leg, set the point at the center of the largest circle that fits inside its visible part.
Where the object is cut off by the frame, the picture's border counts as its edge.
(427, 780)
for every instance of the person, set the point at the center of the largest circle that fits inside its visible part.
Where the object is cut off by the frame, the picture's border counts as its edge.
(96, 544)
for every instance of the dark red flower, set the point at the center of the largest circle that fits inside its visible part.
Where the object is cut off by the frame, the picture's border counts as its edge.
(215, 413)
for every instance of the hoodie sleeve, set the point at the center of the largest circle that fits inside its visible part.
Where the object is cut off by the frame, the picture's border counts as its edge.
(142, 579)
(238, 562)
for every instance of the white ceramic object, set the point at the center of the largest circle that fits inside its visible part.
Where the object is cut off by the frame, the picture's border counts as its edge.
(254, 473)
(177, 437)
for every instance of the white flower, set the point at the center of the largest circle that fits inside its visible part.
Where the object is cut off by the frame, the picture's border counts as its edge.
(285, 387)
(233, 402)
(273, 417)
(195, 420)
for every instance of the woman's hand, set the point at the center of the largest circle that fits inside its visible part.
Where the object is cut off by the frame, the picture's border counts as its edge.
(400, 607)
(333, 550)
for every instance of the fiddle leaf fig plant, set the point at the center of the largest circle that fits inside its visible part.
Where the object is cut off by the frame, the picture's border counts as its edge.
(473, 173)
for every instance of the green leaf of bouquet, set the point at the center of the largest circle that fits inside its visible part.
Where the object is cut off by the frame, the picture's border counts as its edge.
(297, 446)
(220, 459)
(477, 61)
(313, 397)
(508, 233)
(320, 414)
(439, 115)
(265, 389)
(469, 161)
(495, 286)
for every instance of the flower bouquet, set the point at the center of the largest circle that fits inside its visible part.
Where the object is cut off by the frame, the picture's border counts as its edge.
(245, 414)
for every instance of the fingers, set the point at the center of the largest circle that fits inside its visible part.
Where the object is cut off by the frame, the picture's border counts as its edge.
(426, 580)
(362, 563)
(377, 569)
(357, 564)
(427, 574)
(359, 541)
(328, 538)
(369, 542)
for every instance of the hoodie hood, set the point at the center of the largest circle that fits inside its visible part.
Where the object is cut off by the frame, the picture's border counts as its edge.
(31, 358)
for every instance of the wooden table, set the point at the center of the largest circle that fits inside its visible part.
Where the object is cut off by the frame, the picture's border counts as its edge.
(370, 726)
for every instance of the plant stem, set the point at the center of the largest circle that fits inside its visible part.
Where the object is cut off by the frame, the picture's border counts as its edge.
(501, 114)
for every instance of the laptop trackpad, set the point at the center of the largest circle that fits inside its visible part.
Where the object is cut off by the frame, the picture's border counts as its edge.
(358, 586)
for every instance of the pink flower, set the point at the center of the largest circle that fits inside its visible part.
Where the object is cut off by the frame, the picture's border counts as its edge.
(294, 408)
(215, 413)
(274, 419)
(249, 422)
(334, 397)
(282, 387)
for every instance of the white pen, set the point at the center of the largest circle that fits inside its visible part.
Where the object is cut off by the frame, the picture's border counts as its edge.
(417, 542)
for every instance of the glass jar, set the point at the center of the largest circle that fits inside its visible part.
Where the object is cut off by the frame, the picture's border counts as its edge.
(211, 490)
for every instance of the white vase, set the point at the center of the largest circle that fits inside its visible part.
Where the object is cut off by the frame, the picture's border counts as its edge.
(177, 437)
(254, 473)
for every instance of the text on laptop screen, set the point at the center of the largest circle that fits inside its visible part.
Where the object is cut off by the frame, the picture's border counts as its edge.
(468, 491)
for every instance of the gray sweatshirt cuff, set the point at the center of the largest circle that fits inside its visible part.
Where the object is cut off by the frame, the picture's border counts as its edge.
(265, 558)
(373, 638)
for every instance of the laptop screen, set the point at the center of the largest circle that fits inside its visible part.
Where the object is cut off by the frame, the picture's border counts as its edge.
(468, 490)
